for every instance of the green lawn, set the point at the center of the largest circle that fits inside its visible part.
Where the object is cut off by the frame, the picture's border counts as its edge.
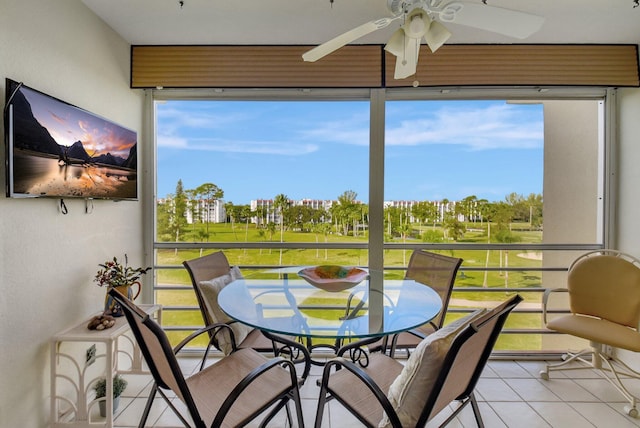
(348, 257)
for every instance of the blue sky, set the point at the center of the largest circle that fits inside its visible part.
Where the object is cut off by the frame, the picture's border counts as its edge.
(318, 150)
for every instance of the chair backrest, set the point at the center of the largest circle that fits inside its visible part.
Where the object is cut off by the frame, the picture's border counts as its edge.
(606, 284)
(466, 358)
(203, 269)
(438, 272)
(157, 352)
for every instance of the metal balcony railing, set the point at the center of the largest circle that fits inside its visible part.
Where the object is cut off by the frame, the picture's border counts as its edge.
(489, 273)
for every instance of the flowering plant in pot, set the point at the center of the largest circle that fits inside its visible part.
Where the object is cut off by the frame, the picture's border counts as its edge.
(122, 277)
(119, 385)
(115, 274)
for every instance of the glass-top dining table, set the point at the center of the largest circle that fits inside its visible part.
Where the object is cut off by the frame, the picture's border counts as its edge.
(294, 307)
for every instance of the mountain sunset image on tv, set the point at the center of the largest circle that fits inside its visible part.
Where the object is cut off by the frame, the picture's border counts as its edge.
(55, 149)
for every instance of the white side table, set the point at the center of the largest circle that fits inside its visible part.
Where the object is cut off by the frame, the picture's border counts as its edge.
(77, 414)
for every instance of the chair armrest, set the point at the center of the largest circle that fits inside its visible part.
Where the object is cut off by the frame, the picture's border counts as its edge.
(293, 345)
(362, 376)
(248, 379)
(217, 327)
(355, 351)
(545, 300)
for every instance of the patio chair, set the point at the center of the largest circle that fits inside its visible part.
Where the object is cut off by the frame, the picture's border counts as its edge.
(438, 272)
(604, 300)
(444, 368)
(232, 392)
(209, 274)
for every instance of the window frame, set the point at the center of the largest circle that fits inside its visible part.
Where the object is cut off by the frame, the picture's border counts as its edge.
(377, 98)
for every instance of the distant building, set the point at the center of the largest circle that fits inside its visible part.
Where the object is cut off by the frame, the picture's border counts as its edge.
(266, 211)
(201, 211)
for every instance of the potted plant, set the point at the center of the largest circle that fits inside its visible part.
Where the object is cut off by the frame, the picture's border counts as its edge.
(122, 277)
(119, 385)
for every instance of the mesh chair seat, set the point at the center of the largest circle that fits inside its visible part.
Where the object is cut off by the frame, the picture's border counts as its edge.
(444, 368)
(209, 269)
(235, 390)
(345, 384)
(438, 272)
(211, 387)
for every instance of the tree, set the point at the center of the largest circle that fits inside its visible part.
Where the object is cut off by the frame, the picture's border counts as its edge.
(192, 204)
(482, 207)
(271, 229)
(234, 212)
(210, 194)
(245, 214)
(325, 229)
(534, 201)
(300, 217)
(425, 212)
(281, 204)
(164, 212)
(261, 213)
(404, 230)
(346, 213)
(177, 221)
(454, 227)
(470, 208)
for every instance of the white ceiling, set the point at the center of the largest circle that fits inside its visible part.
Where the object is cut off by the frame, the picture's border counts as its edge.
(309, 22)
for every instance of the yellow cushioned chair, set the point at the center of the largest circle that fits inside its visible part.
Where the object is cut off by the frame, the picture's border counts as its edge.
(604, 299)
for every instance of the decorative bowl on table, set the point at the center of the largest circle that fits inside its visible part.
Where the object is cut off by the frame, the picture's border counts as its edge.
(333, 277)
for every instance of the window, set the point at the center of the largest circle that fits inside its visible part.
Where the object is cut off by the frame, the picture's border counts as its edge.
(513, 185)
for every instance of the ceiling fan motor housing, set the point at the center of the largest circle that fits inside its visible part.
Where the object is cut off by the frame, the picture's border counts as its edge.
(399, 7)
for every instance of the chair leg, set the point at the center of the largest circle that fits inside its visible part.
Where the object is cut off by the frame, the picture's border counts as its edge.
(476, 410)
(322, 401)
(569, 358)
(147, 407)
(605, 366)
(615, 380)
(298, 404)
(471, 399)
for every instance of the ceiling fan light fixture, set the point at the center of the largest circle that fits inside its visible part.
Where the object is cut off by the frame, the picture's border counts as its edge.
(436, 36)
(417, 23)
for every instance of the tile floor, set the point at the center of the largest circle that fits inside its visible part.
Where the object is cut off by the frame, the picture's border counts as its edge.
(510, 394)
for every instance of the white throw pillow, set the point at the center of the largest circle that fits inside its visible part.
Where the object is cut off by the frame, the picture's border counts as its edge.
(210, 290)
(409, 390)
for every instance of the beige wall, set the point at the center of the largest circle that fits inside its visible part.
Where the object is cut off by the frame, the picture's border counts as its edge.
(628, 191)
(47, 260)
(628, 196)
(571, 137)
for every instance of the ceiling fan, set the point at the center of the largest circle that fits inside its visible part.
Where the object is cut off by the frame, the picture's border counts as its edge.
(421, 19)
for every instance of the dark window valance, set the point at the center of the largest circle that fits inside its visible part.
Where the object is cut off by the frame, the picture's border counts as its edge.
(369, 66)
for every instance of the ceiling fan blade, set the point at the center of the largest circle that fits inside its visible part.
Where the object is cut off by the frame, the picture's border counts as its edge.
(496, 19)
(336, 43)
(407, 61)
(436, 36)
(395, 45)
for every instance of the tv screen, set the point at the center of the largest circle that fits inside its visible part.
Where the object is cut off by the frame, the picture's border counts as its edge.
(55, 149)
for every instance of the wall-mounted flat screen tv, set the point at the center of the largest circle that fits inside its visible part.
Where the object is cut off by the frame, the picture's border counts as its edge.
(55, 149)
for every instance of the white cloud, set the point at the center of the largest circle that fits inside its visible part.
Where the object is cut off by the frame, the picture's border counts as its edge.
(491, 127)
(479, 126)
(238, 146)
(171, 142)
